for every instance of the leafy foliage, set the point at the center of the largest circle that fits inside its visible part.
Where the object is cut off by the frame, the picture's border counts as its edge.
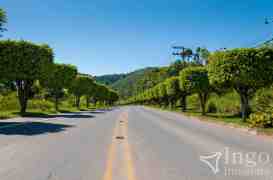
(246, 70)
(195, 80)
(24, 62)
(261, 120)
(80, 87)
(59, 78)
(264, 109)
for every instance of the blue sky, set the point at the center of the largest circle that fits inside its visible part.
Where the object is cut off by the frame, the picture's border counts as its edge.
(114, 36)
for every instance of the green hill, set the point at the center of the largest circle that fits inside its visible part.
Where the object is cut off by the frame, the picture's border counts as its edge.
(137, 81)
(130, 84)
(110, 78)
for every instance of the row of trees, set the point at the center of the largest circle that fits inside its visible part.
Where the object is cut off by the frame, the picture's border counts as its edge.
(244, 69)
(24, 63)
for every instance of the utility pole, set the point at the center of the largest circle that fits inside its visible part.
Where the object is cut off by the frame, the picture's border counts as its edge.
(179, 51)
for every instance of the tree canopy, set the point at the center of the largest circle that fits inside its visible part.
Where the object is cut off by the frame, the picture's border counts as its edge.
(195, 80)
(24, 62)
(59, 78)
(80, 87)
(244, 69)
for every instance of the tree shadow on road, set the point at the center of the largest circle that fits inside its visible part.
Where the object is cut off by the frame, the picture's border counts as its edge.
(31, 128)
(65, 115)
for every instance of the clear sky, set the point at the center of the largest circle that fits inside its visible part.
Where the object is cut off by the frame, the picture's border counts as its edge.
(113, 36)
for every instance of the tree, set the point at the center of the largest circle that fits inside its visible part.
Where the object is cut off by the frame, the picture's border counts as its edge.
(176, 67)
(24, 62)
(60, 77)
(162, 93)
(112, 97)
(173, 90)
(186, 53)
(90, 93)
(244, 69)
(202, 55)
(80, 87)
(195, 80)
(3, 20)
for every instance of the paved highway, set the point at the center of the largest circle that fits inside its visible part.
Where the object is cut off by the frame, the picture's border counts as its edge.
(130, 143)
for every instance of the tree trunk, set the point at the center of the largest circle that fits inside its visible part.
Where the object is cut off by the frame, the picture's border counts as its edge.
(78, 101)
(95, 103)
(23, 89)
(184, 103)
(56, 103)
(165, 102)
(171, 103)
(245, 109)
(203, 101)
(87, 101)
(244, 97)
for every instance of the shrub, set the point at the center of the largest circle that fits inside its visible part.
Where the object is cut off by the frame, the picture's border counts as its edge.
(226, 103)
(193, 102)
(263, 103)
(261, 120)
(9, 102)
(41, 105)
(263, 100)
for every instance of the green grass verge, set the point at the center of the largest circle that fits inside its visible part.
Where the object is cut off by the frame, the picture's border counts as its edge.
(220, 118)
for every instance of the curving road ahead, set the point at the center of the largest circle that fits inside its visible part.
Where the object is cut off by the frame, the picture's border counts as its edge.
(130, 143)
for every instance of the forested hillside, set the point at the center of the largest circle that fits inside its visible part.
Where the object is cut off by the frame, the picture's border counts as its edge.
(110, 78)
(140, 80)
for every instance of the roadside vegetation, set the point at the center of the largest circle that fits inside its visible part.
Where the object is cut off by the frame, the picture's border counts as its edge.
(31, 83)
(232, 86)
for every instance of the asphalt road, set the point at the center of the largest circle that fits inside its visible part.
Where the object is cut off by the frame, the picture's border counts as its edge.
(130, 143)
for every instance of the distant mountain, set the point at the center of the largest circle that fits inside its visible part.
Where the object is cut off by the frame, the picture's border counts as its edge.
(129, 84)
(138, 81)
(109, 79)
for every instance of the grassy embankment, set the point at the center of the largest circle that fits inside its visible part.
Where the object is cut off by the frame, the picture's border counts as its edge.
(223, 109)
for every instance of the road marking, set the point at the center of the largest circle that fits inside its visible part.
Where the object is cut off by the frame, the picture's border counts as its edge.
(122, 130)
(127, 149)
(108, 175)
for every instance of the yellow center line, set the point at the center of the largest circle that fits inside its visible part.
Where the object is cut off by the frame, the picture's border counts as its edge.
(128, 161)
(108, 174)
(127, 153)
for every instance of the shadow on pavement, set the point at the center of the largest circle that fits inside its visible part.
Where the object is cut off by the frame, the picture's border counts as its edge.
(31, 128)
(66, 115)
(72, 115)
